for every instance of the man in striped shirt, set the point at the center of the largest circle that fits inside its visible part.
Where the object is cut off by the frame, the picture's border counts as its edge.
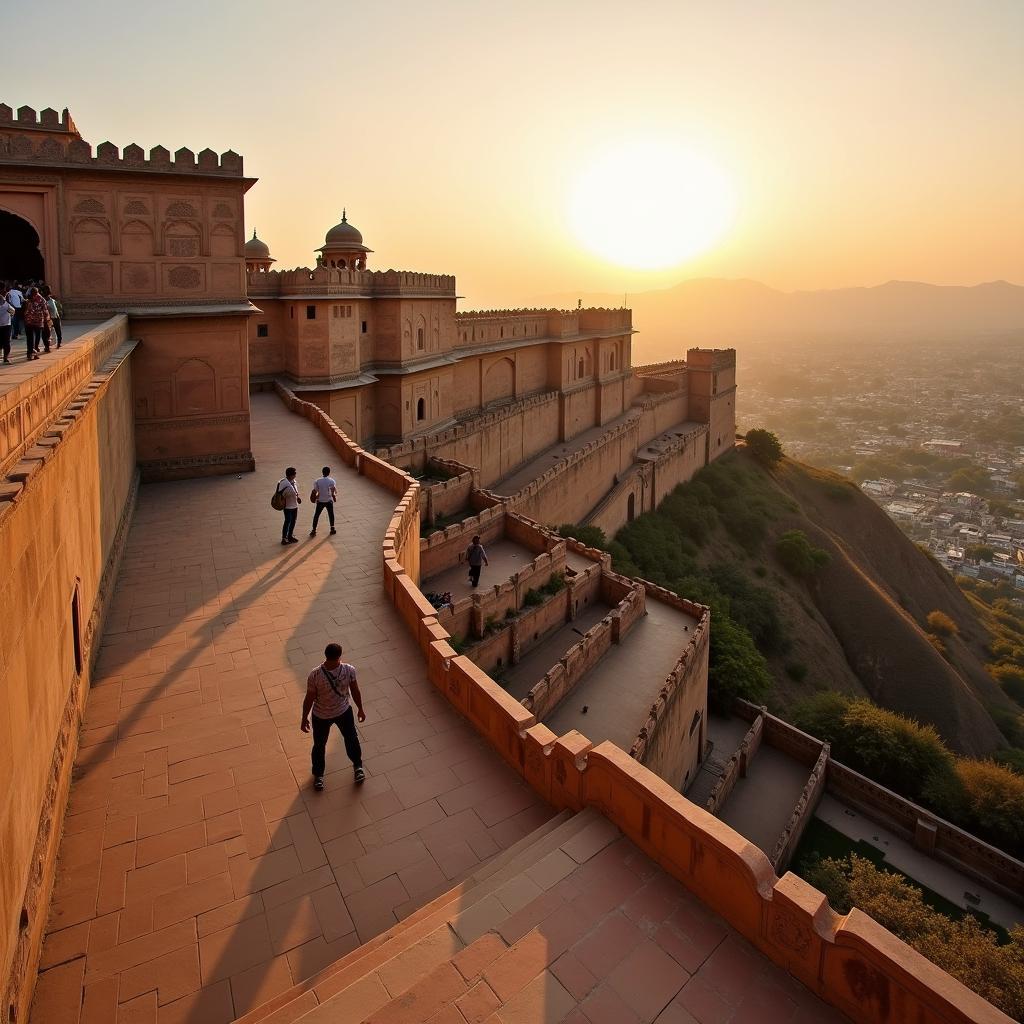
(330, 690)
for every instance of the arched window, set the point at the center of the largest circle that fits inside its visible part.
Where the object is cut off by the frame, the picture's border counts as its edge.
(419, 343)
(421, 407)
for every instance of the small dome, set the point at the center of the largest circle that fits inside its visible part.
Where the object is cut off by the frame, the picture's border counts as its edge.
(344, 236)
(255, 249)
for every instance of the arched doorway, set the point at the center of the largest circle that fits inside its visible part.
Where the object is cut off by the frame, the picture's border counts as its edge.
(20, 258)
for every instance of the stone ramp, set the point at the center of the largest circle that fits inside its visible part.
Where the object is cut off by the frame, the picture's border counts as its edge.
(574, 924)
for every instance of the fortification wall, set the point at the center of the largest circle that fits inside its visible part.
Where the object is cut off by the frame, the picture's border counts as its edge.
(666, 742)
(804, 810)
(493, 442)
(446, 497)
(736, 767)
(569, 490)
(851, 962)
(59, 572)
(934, 835)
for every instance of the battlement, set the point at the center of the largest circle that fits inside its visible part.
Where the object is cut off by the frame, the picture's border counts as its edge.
(60, 144)
(710, 358)
(317, 280)
(673, 366)
(555, 323)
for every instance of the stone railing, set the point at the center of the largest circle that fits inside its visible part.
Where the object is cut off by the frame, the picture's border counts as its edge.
(449, 495)
(27, 409)
(736, 767)
(315, 280)
(852, 962)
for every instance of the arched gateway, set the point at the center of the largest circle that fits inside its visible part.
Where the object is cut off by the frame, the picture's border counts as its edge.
(20, 258)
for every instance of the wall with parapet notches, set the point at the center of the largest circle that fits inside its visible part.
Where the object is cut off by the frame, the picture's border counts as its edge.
(76, 417)
(851, 962)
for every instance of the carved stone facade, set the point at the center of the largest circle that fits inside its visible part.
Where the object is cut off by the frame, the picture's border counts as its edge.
(161, 240)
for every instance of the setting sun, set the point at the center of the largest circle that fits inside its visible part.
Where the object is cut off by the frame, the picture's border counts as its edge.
(651, 205)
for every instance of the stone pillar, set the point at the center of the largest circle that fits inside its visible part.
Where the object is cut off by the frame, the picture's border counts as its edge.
(925, 833)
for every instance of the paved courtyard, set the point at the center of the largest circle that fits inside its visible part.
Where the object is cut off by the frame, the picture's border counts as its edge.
(199, 872)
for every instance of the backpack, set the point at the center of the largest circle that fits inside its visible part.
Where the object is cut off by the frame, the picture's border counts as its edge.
(277, 501)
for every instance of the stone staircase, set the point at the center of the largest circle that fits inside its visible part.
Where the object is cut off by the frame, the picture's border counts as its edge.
(435, 957)
(572, 923)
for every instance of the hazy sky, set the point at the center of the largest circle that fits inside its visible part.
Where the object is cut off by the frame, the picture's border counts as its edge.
(864, 141)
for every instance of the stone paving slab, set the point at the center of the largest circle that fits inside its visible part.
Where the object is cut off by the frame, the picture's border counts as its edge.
(199, 872)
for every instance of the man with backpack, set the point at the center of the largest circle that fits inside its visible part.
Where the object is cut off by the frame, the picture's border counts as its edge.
(330, 690)
(286, 499)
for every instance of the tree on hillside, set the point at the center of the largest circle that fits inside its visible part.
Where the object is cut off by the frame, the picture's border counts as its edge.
(975, 479)
(979, 552)
(799, 556)
(963, 948)
(764, 445)
(942, 624)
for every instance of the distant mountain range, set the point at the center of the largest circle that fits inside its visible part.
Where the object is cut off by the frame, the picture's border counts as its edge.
(718, 312)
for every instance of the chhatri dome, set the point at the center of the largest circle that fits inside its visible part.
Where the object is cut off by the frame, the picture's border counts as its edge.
(343, 247)
(257, 255)
(256, 249)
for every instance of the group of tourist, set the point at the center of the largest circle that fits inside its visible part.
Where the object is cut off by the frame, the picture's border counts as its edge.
(33, 308)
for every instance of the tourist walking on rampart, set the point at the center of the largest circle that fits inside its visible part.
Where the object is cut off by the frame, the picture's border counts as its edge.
(37, 322)
(330, 691)
(476, 556)
(325, 494)
(288, 488)
(53, 308)
(6, 313)
(16, 297)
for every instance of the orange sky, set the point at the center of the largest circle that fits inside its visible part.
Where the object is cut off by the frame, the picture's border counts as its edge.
(864, 141)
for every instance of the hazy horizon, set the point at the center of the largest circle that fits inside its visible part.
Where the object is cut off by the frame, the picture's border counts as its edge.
(847, 146)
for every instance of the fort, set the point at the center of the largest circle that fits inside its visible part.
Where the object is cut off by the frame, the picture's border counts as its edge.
(521, 849)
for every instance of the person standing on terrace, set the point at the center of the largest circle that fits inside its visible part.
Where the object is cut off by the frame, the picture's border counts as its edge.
(330, 690)
(476, 556)
(325, 494)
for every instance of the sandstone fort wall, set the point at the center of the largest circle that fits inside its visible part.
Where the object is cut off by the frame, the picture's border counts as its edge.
(65, 506)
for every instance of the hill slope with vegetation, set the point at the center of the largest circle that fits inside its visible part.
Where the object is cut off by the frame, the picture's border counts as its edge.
(813, 588)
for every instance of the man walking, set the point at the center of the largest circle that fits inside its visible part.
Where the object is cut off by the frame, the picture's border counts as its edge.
(16, 297)
(477, 558)
(6, 312)
(288, 487)
(325, 492)
(330, 689)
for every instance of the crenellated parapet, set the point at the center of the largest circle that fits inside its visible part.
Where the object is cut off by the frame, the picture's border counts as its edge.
(487, 326)
(52, 140)
(335, 281)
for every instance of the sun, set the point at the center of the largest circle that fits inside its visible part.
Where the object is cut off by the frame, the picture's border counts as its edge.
(651, 205)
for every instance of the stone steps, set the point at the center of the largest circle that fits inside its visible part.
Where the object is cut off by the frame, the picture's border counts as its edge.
(408, 954)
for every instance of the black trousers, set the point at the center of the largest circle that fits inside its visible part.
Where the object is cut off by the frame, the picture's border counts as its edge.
(5, 341)
(320, 506)
(346, 722)
(17, 322)
(290, 517)
(474, 574)
(33, 339)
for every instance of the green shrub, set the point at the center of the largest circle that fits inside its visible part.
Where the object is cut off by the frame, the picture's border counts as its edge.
(532, 598)
(821, 715)
(746, 527)
(736, 667)
(797, 671)
(936, 642)
(942, 624)
(963, 948)
(764, 446)
(554, 584)
(798, 556)
(994, 797)
(1010, 678)
(760, 571)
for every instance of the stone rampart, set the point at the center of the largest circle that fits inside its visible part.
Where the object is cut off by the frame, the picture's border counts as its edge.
(59, 574)
(804, 810)
(934, 835)
(494, 442)
(664, 743)
(851, 962)
(736, 767)
(448, 496)
(27, 409)
(59, 145)
(305, 282)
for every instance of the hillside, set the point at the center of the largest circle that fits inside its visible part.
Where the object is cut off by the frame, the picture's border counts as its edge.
(858, 624)
(717, 312)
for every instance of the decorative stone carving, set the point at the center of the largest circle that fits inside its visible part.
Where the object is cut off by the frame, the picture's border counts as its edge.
(181, 209)
(184, 277)
(136, 206)
(50, 149)
(787, 931)
(89, 205)
(182, 247)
